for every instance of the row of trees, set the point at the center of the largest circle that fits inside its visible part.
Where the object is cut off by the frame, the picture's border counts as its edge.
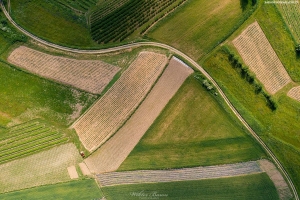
(250, 78)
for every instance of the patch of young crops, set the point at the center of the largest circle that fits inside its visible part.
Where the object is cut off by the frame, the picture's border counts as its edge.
(27, 139)
(123, 21)
(81, 5)
(291, 14)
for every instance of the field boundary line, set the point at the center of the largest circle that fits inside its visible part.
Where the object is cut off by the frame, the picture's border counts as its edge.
(194, 63)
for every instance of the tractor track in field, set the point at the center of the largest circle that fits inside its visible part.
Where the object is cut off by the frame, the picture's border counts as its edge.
(187, 58)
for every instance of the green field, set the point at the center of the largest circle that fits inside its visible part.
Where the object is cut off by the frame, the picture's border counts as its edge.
(28, 138)
(78, 5)
(192, 130)
(52, 21)
(200, 25)
(25, 97)
(82, 189)
(257, 186)
(280, 126)
(125, 20)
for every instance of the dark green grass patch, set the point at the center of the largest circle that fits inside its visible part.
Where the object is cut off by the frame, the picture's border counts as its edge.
(199, 25)
(82, 189)
(51, 21)
(192, 130)
(257, 186)
(282, 124)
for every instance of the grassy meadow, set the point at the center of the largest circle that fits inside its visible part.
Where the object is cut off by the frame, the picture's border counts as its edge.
(192, 130)
(25, 97)
(279, 129)
(199, 25)
(51, 21)
(257, 186)
(82, 189)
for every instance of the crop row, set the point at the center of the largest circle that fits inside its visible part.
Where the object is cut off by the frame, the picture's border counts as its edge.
(291, 14)
(124, 21)
(28, 138)
(111, 111)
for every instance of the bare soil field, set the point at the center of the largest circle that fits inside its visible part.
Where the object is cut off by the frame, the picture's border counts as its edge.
(72, 172)
(185, 174)
(111, 155)
(259, 55)
(47, 167)
(294, 93)
(88, 75)
(279, 182)
(120, 101)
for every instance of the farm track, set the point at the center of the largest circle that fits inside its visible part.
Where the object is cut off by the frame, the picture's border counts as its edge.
(185, 174)
(187, 58)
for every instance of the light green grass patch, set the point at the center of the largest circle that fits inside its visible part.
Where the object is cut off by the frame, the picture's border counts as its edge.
(192, 130)
(257, 186)
(282, 124)
(82, 189)
(25, 97)
(199, 25)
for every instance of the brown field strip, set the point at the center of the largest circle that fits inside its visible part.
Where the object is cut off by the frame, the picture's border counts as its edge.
(111, 155)
(120, 101)
(88, 75)
(294, 93)
(278, 180)
(259, 55)
(184, 174)
(47, 167)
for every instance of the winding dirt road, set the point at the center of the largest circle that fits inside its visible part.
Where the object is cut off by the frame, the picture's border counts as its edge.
(187, 58)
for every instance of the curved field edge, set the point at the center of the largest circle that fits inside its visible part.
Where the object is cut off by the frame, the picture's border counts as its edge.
(200, 25)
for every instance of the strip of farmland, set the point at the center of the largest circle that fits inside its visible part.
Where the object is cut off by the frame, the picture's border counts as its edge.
(47, 167)
(120, 101)
(196, 173)
(88, 75)
(294, 93)
(291, 14)
(111, 155)
(258, 54)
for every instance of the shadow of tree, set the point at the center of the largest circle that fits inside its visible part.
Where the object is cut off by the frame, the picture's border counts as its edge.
(244, 4)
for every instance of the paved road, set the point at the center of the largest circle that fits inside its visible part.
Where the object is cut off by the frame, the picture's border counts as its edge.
(195, 64)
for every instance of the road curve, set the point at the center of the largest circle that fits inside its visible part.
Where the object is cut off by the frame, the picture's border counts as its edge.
(187, 58)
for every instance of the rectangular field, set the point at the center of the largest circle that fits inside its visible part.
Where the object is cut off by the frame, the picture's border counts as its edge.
(47, 167)
(259, 55)
(120, 101)
(257, 186)
(291, 14)
(111, 155)
(88, 75)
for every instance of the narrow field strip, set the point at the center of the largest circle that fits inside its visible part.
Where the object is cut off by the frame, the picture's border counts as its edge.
(258, 54)
(47, 167)
(185, 174)
(279, 182)
(88, 75)
(120, 101)
(111, 155)
(291, 13)
(294, 93)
